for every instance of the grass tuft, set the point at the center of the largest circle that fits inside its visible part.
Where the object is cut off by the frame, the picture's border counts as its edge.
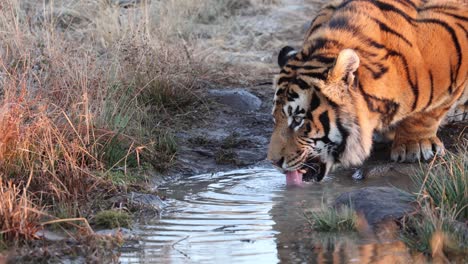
(332, 219)
(113, 219)
(443, 201)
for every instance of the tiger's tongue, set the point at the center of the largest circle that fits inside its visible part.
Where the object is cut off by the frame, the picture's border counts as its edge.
(293, 178)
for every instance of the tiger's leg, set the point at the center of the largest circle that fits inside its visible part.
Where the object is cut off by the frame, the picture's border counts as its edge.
(415, 137)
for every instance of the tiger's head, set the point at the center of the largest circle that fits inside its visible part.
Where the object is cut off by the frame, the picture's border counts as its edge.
(314, 111)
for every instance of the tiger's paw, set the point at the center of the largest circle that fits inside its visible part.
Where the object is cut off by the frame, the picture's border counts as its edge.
(410, 150)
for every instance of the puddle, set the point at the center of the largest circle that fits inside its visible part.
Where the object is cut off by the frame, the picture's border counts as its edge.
(250, 216)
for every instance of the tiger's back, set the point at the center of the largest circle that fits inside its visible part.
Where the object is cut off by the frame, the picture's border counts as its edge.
(407, 61)
(419, 48)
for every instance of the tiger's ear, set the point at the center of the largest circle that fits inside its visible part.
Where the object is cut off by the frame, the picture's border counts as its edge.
(345, 67)
(285, 54)
(344, 70)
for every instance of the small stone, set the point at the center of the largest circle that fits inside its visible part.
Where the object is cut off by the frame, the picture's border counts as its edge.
(50, 236)
(358, 175)
(238, 99)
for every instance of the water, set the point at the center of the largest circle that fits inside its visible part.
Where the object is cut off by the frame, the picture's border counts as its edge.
(250, 216)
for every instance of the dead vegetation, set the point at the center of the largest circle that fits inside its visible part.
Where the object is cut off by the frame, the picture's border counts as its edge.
(91, 87)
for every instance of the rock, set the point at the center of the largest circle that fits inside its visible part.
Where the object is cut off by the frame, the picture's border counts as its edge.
(50, 236)
(148, 201)
(238, 99)
(378, 204)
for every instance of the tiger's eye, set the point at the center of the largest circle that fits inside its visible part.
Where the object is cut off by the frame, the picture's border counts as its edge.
(298, 119)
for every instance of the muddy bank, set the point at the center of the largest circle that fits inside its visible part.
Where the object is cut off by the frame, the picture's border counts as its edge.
(233, 133)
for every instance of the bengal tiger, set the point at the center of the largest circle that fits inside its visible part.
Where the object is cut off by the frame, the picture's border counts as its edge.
(366, 66)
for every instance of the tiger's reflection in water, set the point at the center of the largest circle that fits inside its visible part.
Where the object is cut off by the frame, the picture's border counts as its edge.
(350, 248)
(378, 245)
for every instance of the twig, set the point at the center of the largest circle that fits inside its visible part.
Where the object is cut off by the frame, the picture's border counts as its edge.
(180, 251)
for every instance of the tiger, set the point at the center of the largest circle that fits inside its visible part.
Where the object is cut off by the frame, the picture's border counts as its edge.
(368, 66)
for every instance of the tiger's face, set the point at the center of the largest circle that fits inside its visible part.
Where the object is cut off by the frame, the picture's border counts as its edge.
(312, 121)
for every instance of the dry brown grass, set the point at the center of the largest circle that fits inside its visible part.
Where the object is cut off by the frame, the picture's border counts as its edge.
(19, 217)
(85, 87)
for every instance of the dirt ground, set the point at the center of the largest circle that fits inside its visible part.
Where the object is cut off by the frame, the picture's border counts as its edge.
(233, 131)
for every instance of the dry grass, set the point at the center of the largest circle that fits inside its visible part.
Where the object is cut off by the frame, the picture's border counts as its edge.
(88, 86)
(19, 217)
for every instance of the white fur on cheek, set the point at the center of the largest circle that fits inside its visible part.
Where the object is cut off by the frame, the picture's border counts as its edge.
(320, 145)
(335, 135)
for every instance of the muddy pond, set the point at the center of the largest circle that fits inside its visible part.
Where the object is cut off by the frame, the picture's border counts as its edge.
(251, 216)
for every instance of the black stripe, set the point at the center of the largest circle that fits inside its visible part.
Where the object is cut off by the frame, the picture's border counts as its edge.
(317, 17)
(436, 8)
(391, 8)
(290, 110)
(308, 128)
(320, 14)
(332, 7)
(431, 78)
(339, 25)
(305, 67)
(293, 80)
(325, 121)
(407, 3)
(292, 95)
(403, 59)
(323, 13)
(415, 89)
(387, 29)
(377, 74)
(342, 146)
(320, 43)
(386, 107)
(463, 28)
(299, 111)
(382, 6)
(295, 163)
(285, 79)
(365, 53)
(323, 59)
(279, 92)
(316, 75)
(301, 83)
(314, 28)
(325, 139)
(452, 34)
(314, 103)
(454, 15)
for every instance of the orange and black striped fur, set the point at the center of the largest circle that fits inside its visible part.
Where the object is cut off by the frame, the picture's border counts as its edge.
(367, 66)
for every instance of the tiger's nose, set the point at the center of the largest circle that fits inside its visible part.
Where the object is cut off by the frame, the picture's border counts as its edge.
(278, 163)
